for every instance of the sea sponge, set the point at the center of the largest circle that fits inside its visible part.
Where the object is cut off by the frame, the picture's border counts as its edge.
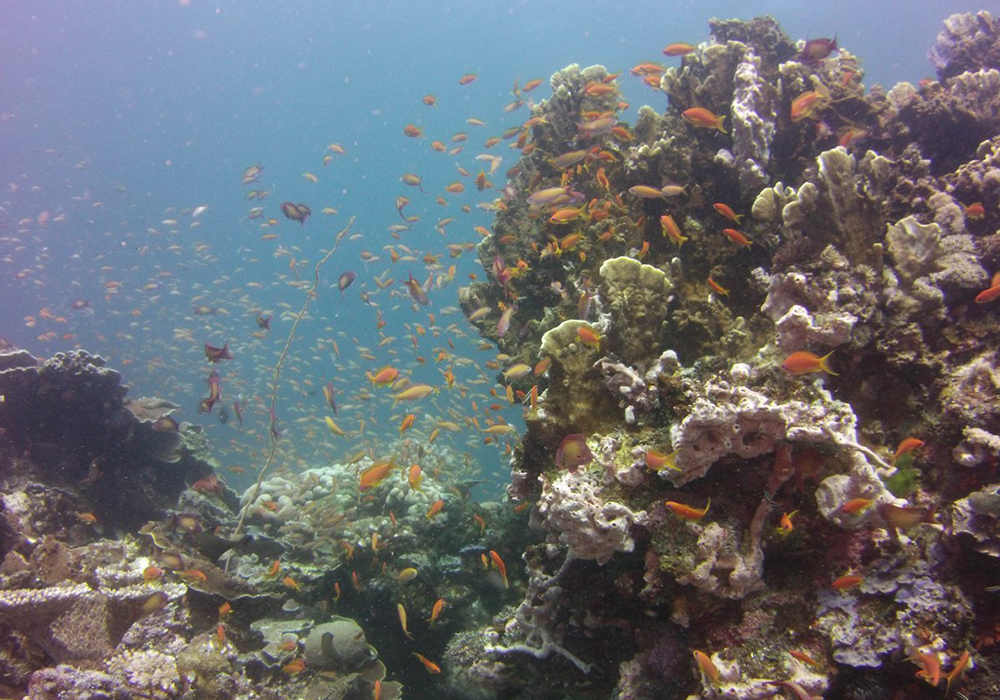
(574, 509)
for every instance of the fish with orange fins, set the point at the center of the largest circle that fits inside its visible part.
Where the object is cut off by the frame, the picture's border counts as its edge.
(500, 567)
(785, 526)
(686, 512)
(701, 118)
(803, 362)
(678, 49)
(906, 446)
(708, 669)
(436, 611)
(727, 212)
(431, 667)
(375, 474)
(414, 477)
(589, 337)
(435, 508)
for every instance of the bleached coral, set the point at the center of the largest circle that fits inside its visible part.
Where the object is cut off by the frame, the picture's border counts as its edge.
(575, 510)
(728, 418)
(754, 119)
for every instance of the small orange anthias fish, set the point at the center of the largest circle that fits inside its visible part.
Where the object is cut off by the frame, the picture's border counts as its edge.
(500, 567)
(845, 582)
(702, 118)
(804, 362)
(785, 526)
(686, 512)
(709, 669)
(435, 508)
(436, 610)
(855, 505)
(908, 445)
(431, 667)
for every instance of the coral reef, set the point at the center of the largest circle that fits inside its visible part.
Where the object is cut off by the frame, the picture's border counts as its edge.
(859, 227)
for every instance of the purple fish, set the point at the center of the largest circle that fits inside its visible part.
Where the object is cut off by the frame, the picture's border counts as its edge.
(214, 393)
(503, 325)
(275, 433)
(215, 354)
(345, 281)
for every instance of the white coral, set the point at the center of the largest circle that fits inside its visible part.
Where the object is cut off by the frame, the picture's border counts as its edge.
(574, 508)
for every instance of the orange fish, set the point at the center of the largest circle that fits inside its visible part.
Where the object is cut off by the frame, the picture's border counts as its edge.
(702, 118)
(803, 362)
(687, 512)
(377, 686)
(907, 445)
(385, 376)
(785, 526)
(467, 78)
(429, 100)
(805, 105)
(672, 230)
(151, 573)
(480, 522)
(804, 657)
(431, 667)
(988, 295)
(976, 210)
(220, 633)
(193, 575)
(225, 609)
(727, 211)
(407, 422)
(297, 665)
(435, 508)
(291, 583)
(375, 474)
(413, 131)
(436, 610)
(500, 566)
(336, 591)
(656, 460)
(414, 477)
(855, 505)
(845, 582)
(931, 671)
(708, 668)
(737, 237)
(678, 49)
(275, 567)
(717, 288)
(957, 671)
(588, 336)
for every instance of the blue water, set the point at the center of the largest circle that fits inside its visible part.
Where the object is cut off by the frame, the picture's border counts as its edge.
(117, 115)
